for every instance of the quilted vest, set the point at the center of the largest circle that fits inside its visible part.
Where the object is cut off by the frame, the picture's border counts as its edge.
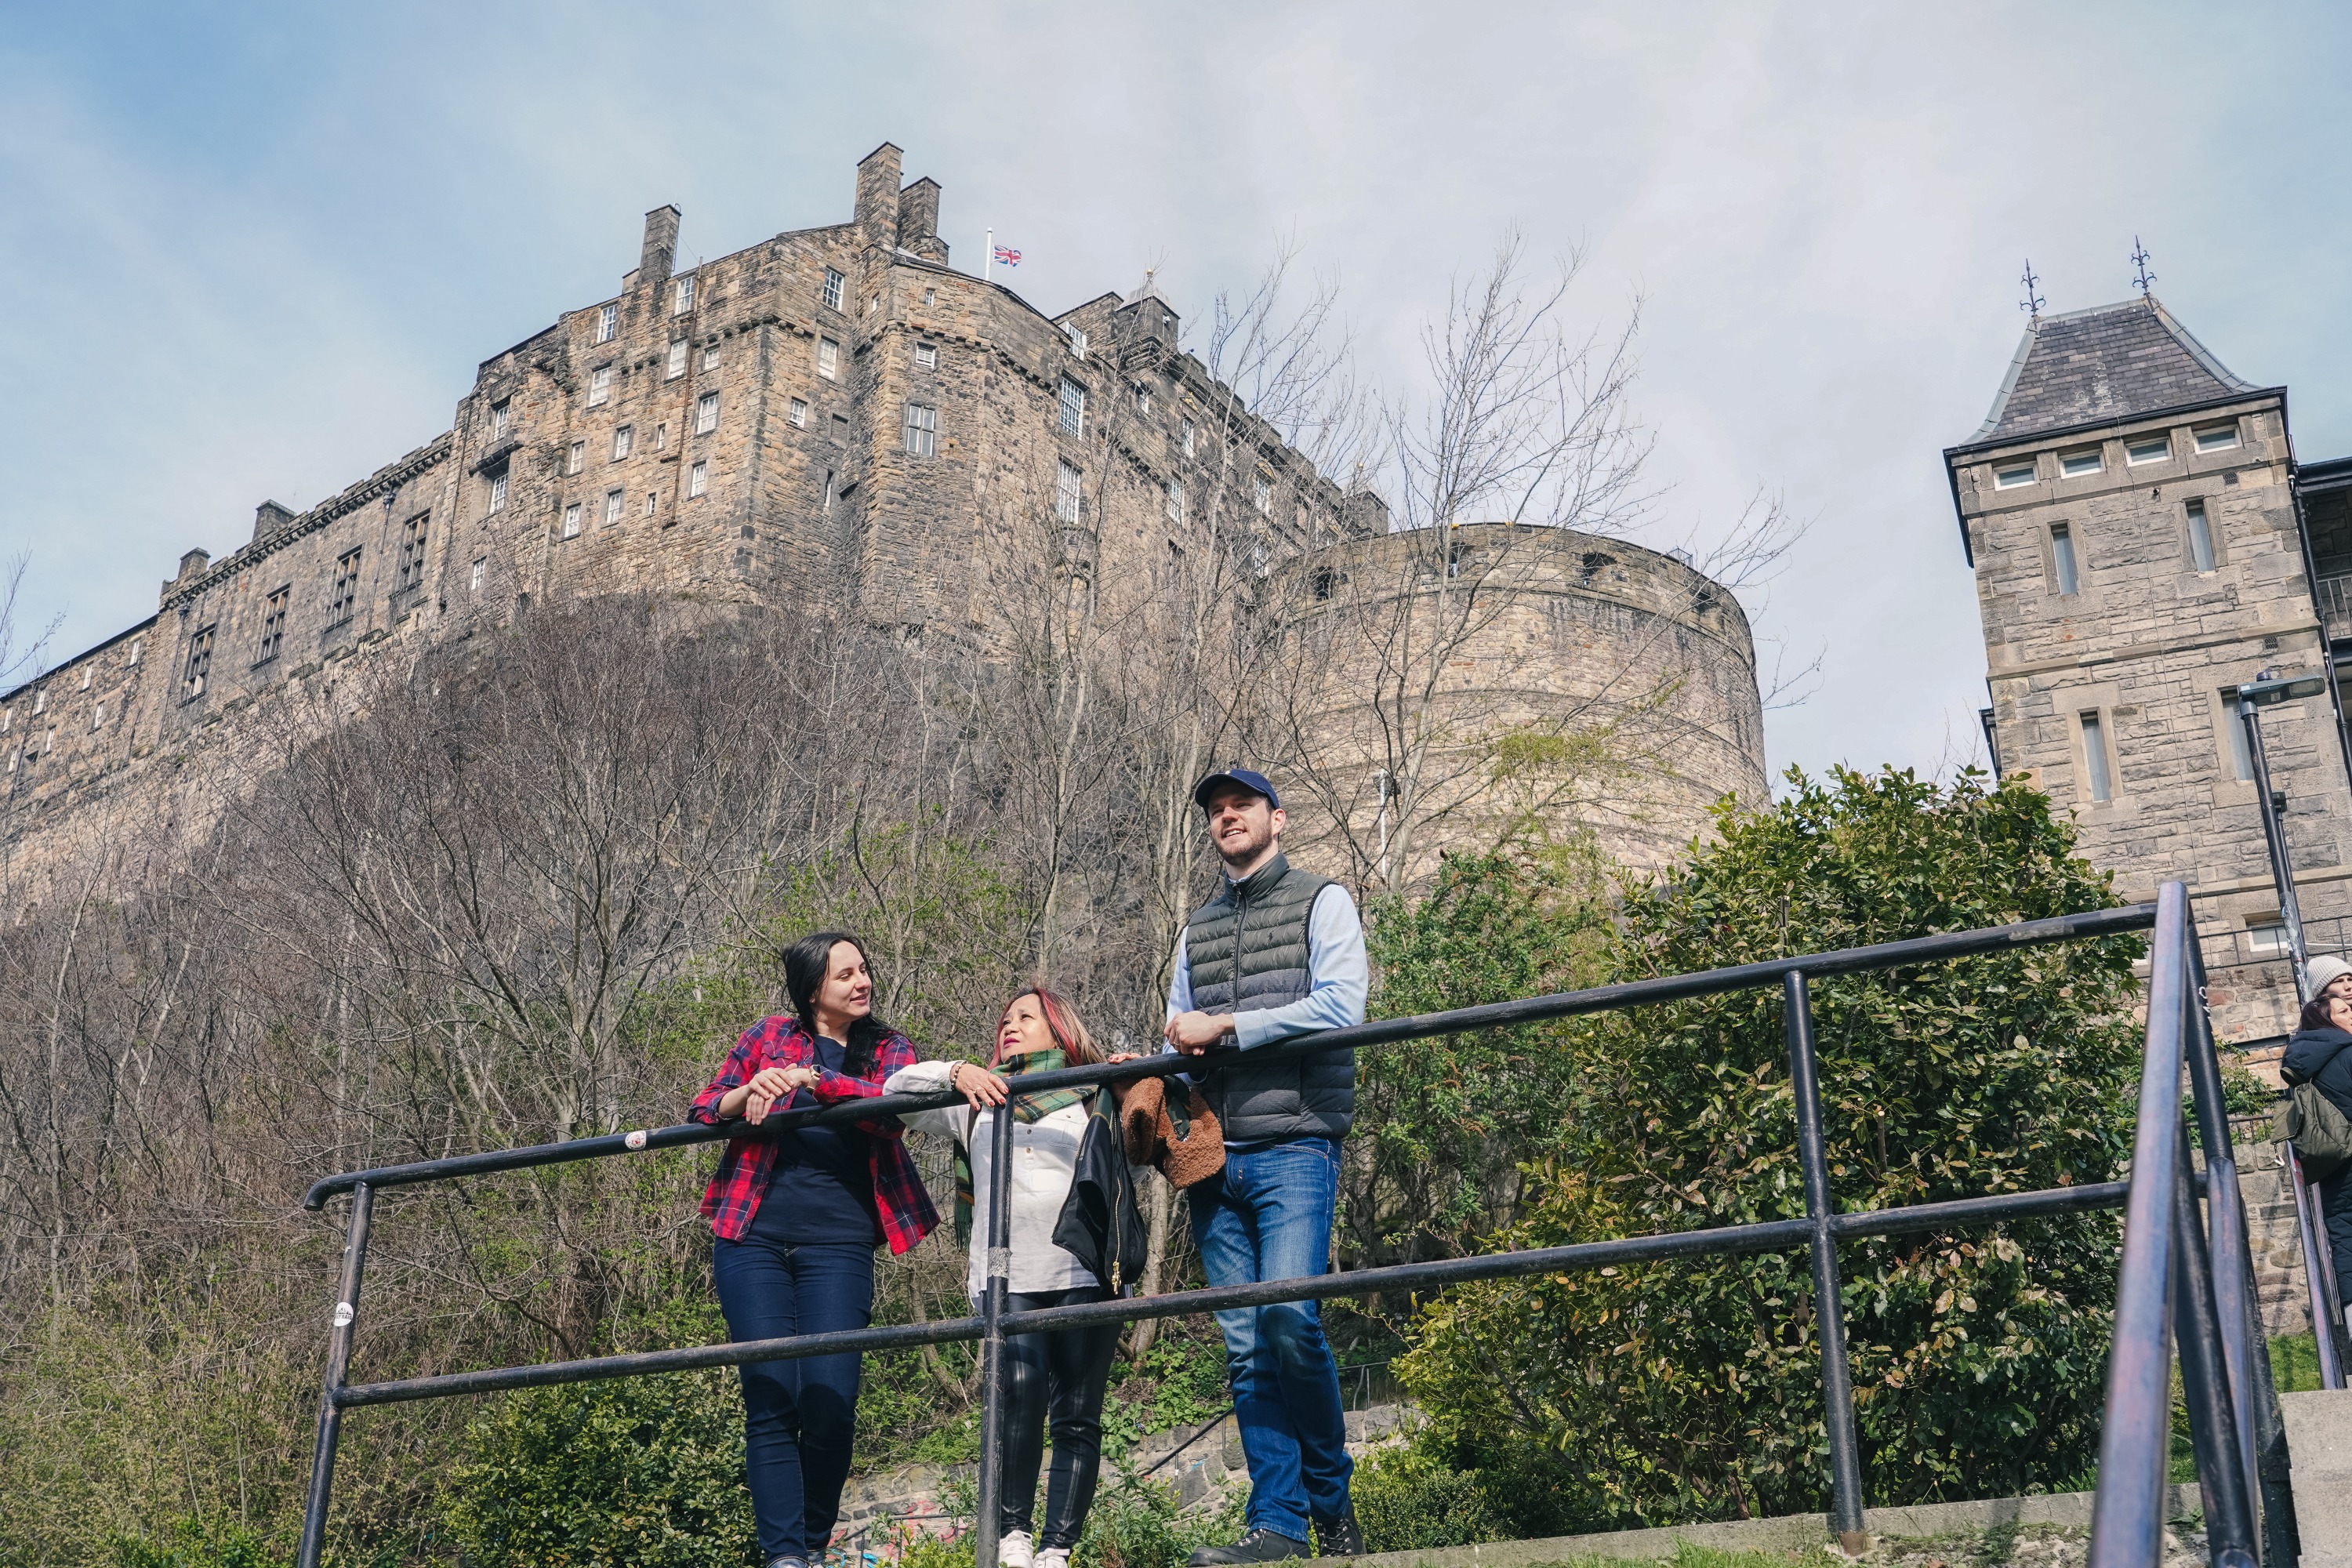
(1247, 949)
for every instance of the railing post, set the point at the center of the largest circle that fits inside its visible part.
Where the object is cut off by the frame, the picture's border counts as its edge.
(2213, 1428)
(2330, 1289)
(338, 1360)
(2311, 1235)
(2262, 1429)
(1829, 1305)
(999, 1278)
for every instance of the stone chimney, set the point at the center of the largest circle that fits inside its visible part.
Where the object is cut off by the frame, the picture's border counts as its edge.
(877, 195)
(192, 564)
(268, 517)
(660, 252)
(919, 221)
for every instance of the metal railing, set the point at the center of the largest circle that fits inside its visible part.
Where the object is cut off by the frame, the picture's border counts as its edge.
(2158, 1198)
(2318, 1269)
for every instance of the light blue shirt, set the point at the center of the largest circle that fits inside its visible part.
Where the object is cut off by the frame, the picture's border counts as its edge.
(1336, 969)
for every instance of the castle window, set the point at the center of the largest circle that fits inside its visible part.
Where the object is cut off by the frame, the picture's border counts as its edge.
(2241, 760)
(200, 664)
(273, 624)
(600, 385)
(1077, 337)
(1323, 583)
(711, 356)
(927, 355)
(499, 491)
(2075, 465)
(873, 303)
(411, 553)
(1143, 400)
(706, 414)
(575, 457)
(697, 479)
(676, 366)
(653, 503)
(98, 715)
(612, 507)
(608, 321)
(833, 282)
(1074, 407)
(130, 659)
(88, 670)
(661, 437)
(1189, 428)
(1065, 493)
(2146, 449)
(931, 296)
(40, 701)
(2200, 538)
(828, 358)
(347, 589)
(498, 419)
(481, 570)
(2266, 936)
(798, 414)
(1262, 493)
(922, 429)
(2016, 474)
(623, 439)
(1175, 501)
(2061, 560)
(2216, 438)
(681, 296)
(571, 529)
(2095, 755)
(8, 717)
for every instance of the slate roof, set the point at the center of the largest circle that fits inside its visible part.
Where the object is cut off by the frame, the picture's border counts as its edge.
(2107, 364)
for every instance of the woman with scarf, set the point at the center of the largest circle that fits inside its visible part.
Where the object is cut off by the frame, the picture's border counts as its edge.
(1055, 1379)
(795, 1217)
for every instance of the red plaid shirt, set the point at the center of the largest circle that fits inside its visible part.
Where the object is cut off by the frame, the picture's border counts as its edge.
(900, 1200)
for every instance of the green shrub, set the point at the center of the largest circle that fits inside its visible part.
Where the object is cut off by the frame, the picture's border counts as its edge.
(1410, 1500)
(195, 1545)
(636, 1473)
(1665, 1393)
(1135, 1523)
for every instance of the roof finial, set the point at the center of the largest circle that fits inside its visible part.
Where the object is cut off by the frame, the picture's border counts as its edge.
(2144, 277)
(2033, 302)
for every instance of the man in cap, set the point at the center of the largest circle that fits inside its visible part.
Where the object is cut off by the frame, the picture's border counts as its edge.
(1279, 952)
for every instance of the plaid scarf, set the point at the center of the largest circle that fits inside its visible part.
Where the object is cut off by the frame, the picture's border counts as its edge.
(1025, 1107)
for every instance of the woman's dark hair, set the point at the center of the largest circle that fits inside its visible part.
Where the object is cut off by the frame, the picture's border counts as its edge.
(806, 963)
(2319, 1013)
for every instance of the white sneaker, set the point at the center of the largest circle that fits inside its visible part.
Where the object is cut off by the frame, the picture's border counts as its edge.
(1053, 1557)
(1015, 1550)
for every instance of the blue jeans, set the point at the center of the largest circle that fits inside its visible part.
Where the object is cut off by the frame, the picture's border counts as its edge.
(798, 1415)
(1267, 1216)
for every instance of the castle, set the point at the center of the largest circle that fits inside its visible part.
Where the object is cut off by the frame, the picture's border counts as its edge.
(831, 412)
(2143, 541)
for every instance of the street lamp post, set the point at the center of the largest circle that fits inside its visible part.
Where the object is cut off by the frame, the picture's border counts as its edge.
(2263, 691)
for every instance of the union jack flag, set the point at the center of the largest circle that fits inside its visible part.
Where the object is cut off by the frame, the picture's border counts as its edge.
(1008, 256)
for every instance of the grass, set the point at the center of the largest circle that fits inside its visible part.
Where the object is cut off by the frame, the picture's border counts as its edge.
(2294, 1363)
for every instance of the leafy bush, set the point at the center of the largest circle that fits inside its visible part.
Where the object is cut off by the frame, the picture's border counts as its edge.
(192, 1544)
(1408, 1499)
(1135, 1523)
(1674, 1392)
(645, 1472)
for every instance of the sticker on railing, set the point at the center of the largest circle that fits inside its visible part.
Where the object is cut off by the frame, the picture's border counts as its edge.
(343, 1314)
(635, 1139)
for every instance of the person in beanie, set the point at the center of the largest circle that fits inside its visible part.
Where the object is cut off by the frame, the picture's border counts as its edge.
(1279, 952)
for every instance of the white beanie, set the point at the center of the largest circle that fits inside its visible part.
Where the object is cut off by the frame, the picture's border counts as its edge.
(2323, 969)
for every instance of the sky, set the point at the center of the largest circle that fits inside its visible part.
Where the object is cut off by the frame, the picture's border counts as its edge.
(256, 251)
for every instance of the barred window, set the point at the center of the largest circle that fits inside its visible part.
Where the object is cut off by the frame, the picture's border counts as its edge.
(798, 414)
(1189, 428)
(600, 385)
(927, 355)
(499, 490)
(1073, 407)
(711, 356)
(273, 624)
(1175, 501)
(498, 411)
(676, 366)
(1077, 337)
(612, 505)
(706, 414)
(833, 282)
(623, 439)
(570, 528)
(681, 296)
(1067, 486)
(347, 588)
(412, 552)
(608, 321)
(1263, 493)
(200, 663)
(922, 429)
(481, 570)
(697, 479)
(576, 456)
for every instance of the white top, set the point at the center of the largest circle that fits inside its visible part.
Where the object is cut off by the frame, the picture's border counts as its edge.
(1044, 1160)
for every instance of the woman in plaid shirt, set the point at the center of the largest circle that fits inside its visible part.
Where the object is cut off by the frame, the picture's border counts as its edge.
(797, 1217)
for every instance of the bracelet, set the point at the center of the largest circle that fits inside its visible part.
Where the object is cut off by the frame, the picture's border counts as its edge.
(954, 1068)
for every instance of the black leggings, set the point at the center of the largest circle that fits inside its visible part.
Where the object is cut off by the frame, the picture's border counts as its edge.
(1055, 1380)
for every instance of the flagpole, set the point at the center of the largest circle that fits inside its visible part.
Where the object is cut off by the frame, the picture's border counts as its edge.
(988, 257)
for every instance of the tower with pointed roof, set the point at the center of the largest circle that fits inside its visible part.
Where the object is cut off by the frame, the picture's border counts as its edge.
(2138, 529)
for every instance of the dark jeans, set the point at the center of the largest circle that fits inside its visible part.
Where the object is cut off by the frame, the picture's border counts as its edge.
(1057, 1381)
(1267, 1216)
(798, 1415)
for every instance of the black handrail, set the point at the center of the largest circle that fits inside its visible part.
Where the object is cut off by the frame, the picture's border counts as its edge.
(2157, 1169)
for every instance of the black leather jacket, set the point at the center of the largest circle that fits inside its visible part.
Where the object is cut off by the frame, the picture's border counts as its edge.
(1100, 1223)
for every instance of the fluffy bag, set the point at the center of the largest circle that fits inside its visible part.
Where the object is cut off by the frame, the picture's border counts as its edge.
(1179, 1135)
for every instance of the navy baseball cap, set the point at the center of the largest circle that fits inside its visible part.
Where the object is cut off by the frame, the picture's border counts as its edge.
(1256, 783)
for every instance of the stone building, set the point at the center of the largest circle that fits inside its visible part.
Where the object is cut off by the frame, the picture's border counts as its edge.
(1525, 671)
(832, 413)
(2143, 540)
